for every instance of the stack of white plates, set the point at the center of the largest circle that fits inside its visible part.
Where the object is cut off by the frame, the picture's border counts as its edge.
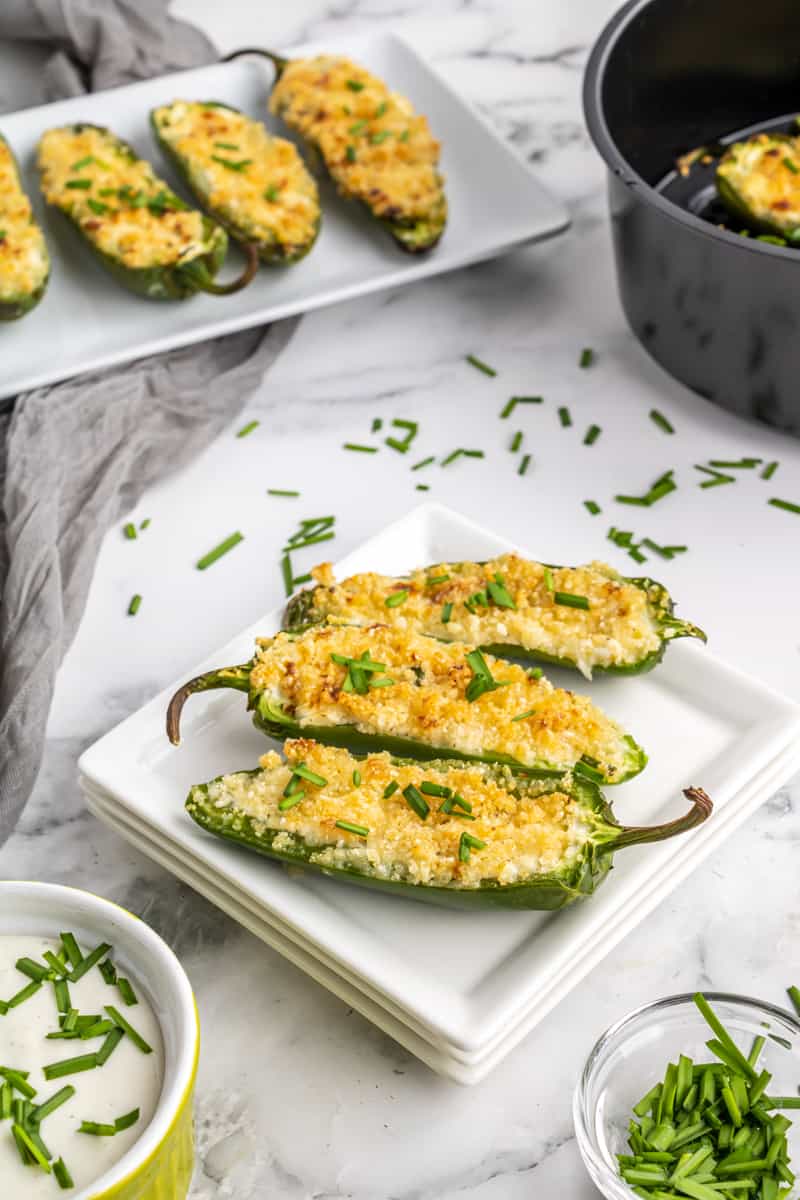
(457, 989)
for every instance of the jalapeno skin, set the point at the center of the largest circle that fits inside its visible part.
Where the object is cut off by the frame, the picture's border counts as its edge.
(549, 891)
(15, 306)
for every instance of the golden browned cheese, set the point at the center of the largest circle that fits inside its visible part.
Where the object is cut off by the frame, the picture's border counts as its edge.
(257, 182)
(23, 253)
(617, 629)
(538, 833)
(135, 235)
(427, 701)
(375, 146)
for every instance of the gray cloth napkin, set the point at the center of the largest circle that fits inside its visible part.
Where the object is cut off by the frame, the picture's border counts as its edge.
(75, 456)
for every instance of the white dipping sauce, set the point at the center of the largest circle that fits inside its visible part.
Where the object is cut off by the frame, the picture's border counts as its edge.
(129, 1079)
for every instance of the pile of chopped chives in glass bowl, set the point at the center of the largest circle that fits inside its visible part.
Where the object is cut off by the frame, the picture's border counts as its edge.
(696, 1097)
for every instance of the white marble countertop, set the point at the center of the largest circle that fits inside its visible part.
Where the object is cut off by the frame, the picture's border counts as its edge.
(299, 1097)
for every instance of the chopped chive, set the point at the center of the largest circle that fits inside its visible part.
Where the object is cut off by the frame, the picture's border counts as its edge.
(32, 969)
(384, 681)
(466, 844)
(380, 136)
(355, 85)
(390, 789)
(790, 166)
(476, 362)
(61, 1172)
(592, 507)
(281, 492)
(96, 1129)
(416, 801)
(524, 463)
(785, 504)
(288, 577)
(424, 462)
(361, 449)
(568, 600)
(310, 541)
(534, 672)
(22, 1135)
(587, 357)
(38, 1114)
(516, 442)
(248, 428)
(377, 425)
(130, 531)
(547, 575)
(661, 421)
(208, 559)
(462, 803)
(396, 598)
(405, 135)
(232, 164)
(349, 827)
(126, 991)
(145, 524)
(18, 1081)
(98, 1029)
(82, 162)
(127, 1120)
(509, 407)
(447, 612)
(290, 801)
(564, 416)
(310, 776)
(459, 453)
(356, 778)
(127, 1028)
(592, 434)
(735, 464)
(71, 1066)
(5, 1100)
(97, 206)
(435, 789)
(715, 482)
(24, 994)
(134, 605)
(350, 154)
(61, 989)
(72, 950)
(226, 145)
(522, 716)
(499, 594)
(769, 470)
(435, 580)
(81, 185)
(381, 109)
(794, 995)
(89, 961)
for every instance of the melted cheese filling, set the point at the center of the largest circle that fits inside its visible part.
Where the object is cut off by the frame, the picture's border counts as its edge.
(23, 252)
(427, 698)
(112, 210)
(256, 182)
(539, 833)
(758, 171)
(374, 144)
(617, 629)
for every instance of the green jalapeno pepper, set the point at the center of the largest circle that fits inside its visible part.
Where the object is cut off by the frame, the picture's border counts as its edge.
(442, 832)
(255, 185)
(24, 260)
(145, 235)
(373, 145)
(381, 688)
(758, 181)
(587, 618)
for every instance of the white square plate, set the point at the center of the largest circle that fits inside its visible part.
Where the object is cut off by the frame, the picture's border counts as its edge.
(88, 321)
(701, 721)
(441, 1056)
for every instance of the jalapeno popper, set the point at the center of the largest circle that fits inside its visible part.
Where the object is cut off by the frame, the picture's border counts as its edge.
(145, 235)
(375, 147)
(587, 617)
(378, 687)
(758, 180)
(256, 185)
(470, 835)
(24, 260)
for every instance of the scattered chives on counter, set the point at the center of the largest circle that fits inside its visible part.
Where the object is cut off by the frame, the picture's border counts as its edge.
(461, 453)
(786, 505)
(377, 425)
(422, 487)
(657, 491)
(516, 442)
(403, 445)
(524, 464)
(130, 531)
(564, 416)
(769, 470)
(356, 446)
(281, 492)
(134, 605)
(592, 506)
(476, 362)
(208, 559)
(661, 421)
(145, 524)
(592, 434)
(736, 464)
(509, 407)
(587, 357)
(423, 462)
(248, 428)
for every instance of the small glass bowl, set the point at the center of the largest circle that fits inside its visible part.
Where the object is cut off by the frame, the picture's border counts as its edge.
(632, 1056)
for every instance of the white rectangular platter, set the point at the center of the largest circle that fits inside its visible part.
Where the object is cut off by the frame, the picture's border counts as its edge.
(87, 321)
(701, 721)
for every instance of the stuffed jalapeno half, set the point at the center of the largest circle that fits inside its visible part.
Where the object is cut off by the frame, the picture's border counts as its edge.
(469, 835)
(587, 617)
(758, 181)
(257, 186)
(24, 260)
(145, 235)
(379, 687)
(375, 147)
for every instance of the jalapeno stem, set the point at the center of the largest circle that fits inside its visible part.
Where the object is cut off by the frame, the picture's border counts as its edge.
(206, 282)
(636, 835)
(224, 677)
(277, 60)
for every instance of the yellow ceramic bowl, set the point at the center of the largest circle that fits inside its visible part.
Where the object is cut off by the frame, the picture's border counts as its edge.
(159, 1164)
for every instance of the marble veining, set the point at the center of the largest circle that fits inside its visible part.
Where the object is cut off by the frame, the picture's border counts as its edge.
(299, 1098)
